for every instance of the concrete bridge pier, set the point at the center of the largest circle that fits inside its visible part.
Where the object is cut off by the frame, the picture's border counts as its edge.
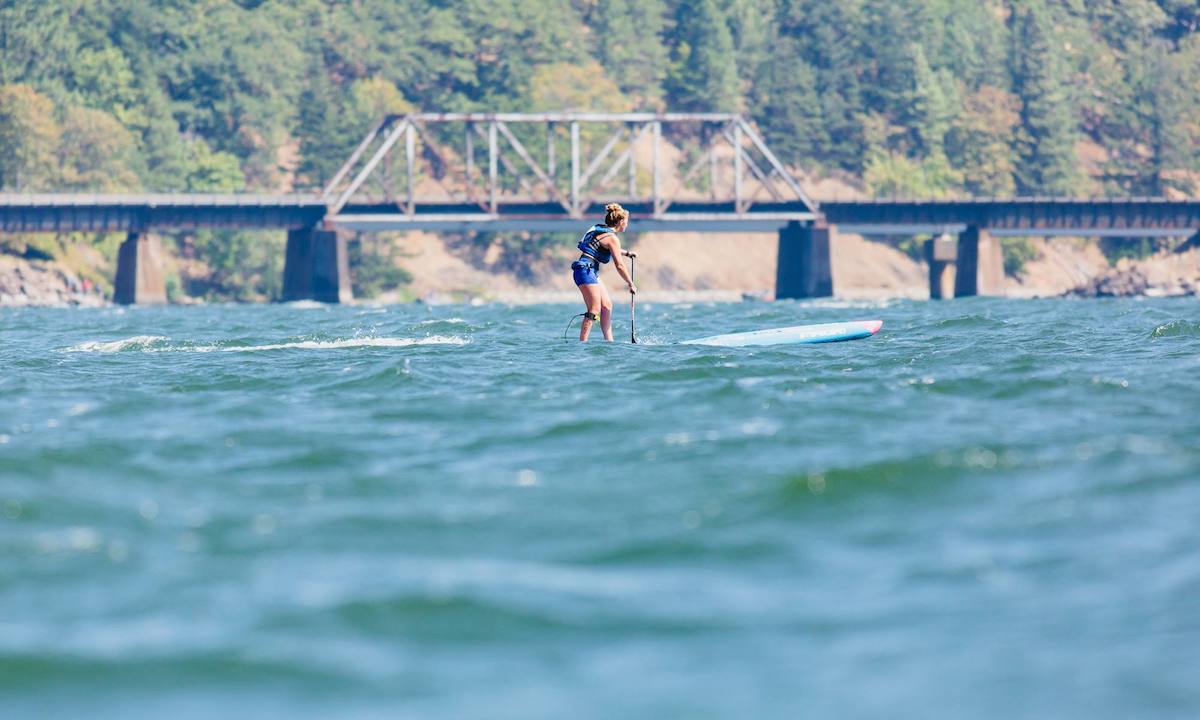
(980, 264)
(139, 271)
(804, 268)
(941, 254)
(316, 267)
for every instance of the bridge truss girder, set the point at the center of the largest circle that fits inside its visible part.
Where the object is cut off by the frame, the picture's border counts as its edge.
(518, 176)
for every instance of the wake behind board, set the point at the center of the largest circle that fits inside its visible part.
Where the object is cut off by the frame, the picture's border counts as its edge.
(796, 335)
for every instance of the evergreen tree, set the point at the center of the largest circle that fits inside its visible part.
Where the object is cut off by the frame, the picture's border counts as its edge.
(1045, 142)
(1183, 18)
(703, 75)
(237, 93)
(1123, 24)
(787, 107)
(1173, 128)
(828, 36)
(326, 138)
(628, 43)
(37, 44)
(482, 54)
(966, 39)
(888, 62)
(369, 38)
(152, 120)
(751, 28)
(978, 141)
(933, 104)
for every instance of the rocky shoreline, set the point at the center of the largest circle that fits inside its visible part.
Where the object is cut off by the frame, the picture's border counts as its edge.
(1173, 274)
(26, 283)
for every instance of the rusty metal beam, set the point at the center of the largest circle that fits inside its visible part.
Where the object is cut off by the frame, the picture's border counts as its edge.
(600, 157)
(625, 158)
(763, 178)
(575, 168)
(656, 192)
(704, 159)
(354, 158)
(737, 168)
(537, 171)
(365, 173)
(543, 117)
(774, 163)
(493, 146)
(441, 156)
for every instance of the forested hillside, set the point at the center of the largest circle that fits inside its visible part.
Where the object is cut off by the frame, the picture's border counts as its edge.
(905, 97)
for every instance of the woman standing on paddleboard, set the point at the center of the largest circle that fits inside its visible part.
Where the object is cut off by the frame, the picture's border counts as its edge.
(598, 246)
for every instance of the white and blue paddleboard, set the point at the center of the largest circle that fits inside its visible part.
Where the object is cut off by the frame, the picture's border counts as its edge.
(796, 335)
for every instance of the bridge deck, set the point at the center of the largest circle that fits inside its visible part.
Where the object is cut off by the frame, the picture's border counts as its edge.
(1032, 216)
(549, 217)
(157, 211)
(1035, 216)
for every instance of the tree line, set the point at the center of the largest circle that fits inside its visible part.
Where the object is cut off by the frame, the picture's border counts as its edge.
(921, 98)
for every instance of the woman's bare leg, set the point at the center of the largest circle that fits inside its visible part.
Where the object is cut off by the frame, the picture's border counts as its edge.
(593, 299)
(605, 313)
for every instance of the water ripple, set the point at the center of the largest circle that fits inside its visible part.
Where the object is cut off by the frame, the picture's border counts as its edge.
(315, 511)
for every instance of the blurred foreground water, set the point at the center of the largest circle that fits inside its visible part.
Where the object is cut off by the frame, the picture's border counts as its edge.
(989, 510)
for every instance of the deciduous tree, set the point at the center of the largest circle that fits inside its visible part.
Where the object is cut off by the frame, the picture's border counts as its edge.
(29, 137)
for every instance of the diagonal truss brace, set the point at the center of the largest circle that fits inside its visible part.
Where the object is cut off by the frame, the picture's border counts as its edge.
(754, 167)
(362, 176)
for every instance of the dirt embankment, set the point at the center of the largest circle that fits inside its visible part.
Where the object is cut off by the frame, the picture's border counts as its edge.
(687, 266)
(1061, 265)
(669, 266)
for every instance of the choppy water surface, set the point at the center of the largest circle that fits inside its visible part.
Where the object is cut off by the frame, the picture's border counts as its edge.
(989, 510)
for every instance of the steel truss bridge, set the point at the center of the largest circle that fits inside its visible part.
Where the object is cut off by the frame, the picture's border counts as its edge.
(551, 171)
(540, 172)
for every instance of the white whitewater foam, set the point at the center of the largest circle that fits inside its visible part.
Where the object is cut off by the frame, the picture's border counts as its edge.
(143, 343)
(847, 304)
(447, 321)
(156, 344)
(336, 344)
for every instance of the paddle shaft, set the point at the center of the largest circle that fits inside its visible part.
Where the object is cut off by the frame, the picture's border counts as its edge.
(632, 310)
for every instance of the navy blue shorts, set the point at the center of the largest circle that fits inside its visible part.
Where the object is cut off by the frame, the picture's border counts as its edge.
(585, 273)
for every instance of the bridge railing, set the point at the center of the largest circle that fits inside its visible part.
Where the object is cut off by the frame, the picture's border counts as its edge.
(481, 163)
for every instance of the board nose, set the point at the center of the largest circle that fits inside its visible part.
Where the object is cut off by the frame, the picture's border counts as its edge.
(873, 325)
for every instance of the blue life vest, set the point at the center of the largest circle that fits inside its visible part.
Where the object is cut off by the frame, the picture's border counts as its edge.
(590, 245)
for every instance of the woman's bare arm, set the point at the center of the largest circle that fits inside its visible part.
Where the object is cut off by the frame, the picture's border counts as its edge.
(613, 244)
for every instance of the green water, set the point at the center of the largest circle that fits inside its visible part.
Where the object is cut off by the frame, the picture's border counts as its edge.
(989, 510)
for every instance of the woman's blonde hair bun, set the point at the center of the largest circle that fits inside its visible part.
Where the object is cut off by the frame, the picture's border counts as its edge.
(614, 214)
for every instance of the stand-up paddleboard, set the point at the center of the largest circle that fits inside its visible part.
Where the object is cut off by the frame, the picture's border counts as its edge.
(796, 335)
